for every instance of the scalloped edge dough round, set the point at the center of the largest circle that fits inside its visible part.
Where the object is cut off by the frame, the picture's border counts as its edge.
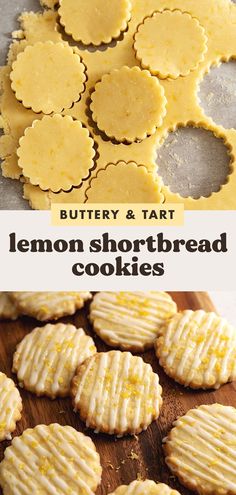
(148, 487)
(11, 407)
(8, 309)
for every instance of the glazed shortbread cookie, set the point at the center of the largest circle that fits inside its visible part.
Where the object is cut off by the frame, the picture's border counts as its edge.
(130, 320)
(147, 487)
(170, 44)
(117, 393)
(8, 310)
(56, 153)
(128, 104)
(11, 407)
(51, 460)
(47, 358)
(94, 22)
(201, 450)
(46, 306)
(198, 349)
(48, 77)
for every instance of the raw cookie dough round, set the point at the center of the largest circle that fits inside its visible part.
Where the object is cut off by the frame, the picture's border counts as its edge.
(11, 407)
(46, 360)
(8, 309)
(130, 320)
(198, 349)
(170, 44)
(128, 104)
(51, 459)
(201, 450)
(117, 393)
(48, 77)
(94, 21)
(56, 153)
(45, 306)
(124, 183)
(144, 487)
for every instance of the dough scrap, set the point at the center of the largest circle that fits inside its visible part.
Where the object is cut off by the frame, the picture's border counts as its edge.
(11, 407)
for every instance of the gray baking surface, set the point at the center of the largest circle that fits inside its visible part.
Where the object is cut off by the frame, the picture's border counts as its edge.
(209, 164)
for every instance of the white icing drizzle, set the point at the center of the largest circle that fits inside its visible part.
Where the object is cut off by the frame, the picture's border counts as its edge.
(11, 406)
(51, 460)
(130, 319)
(198, 349)
(144, 487)
(47, 358)
(119, 392)
(202, 448)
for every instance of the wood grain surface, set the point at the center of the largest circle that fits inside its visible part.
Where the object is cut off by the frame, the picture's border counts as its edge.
(116, 454)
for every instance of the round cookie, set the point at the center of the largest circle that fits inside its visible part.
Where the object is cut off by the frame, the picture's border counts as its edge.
(51, 459)
(46, 359)
(144, 487)
(56, 153)
(48, 77)
(128, 104)
(117, 393)
(201, 450)
(198, 349)
(8, 310)
(170, 44)
(94, 22)
(130, 320)
(124, 183)
(46, 306)
(11, 407)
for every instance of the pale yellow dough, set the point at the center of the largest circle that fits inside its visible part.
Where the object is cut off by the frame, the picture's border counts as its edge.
(8, 309)
(146, 487)
(46, 306)
(170, 44)
(11, 407)
(124, 183)
(201, 450)
(56, 153)
(128, 104)
(94, 21)
(51, 459)
(198, 349)
(117, 393)
(47, 358)
(130, 320)
(48, 77)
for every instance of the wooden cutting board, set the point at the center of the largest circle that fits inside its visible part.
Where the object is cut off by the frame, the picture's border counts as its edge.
(116, 454)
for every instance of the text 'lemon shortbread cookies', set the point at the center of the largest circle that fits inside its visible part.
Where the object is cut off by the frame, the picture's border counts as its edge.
(48, 77)
(124, 183)
(47, 358)
(128, 104)
(117, 393)
(130, 320)
(11, 407)
(198, 349)
(50, 460)
(170, 44)
(8, 309)
(94, 21)
(201, 450)
(147, 487)
(46, 306)
(56, 153)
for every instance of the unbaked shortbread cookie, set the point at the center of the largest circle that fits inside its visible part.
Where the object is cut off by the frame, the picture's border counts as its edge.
(94, 22)
(124, 183)
(46, 306)
(128, 104)
(50, 460)
(47, 358)
(11, 407)
(8, 309)
(170, 43)
(48, 77)
(130, 320)
(201, 450)
(146, 487)
(117, 393)
(56, 153)
(198, 349)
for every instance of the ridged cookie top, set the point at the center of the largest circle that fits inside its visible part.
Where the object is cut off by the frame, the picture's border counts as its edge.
(11, 406)
(146, 487)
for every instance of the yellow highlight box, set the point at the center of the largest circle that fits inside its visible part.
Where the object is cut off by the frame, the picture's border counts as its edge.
(117, 214)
